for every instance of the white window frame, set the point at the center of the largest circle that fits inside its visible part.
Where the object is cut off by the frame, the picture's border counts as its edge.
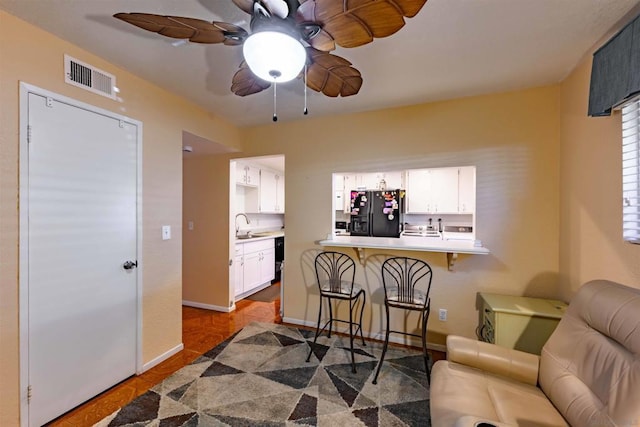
(631, 171)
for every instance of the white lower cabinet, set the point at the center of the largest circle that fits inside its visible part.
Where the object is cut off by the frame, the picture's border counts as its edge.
(239, 263)
(255, 266)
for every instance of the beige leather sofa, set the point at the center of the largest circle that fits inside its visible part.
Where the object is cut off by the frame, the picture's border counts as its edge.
(588, 374)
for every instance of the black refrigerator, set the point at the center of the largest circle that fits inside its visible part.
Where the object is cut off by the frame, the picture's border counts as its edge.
(376, 213)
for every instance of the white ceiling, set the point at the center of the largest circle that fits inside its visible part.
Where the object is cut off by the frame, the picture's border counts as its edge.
(451, 49)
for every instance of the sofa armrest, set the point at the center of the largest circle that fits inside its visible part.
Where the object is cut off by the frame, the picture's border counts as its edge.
(498, 360)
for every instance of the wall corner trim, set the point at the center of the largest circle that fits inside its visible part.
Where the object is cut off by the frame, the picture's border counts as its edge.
(161, 358)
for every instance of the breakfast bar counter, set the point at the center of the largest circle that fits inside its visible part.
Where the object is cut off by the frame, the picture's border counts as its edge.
(408, 243)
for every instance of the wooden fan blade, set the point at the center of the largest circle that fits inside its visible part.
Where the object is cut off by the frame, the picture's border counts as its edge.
(246, 83)
(323, 41)
(177, 27)
(353, 23)
(246, 5)
(332, 74)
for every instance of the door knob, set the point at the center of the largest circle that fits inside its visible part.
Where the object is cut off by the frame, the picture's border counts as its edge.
(128, 265)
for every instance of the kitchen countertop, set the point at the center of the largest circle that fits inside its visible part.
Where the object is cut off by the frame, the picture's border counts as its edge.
(263, 235)
(427, 244)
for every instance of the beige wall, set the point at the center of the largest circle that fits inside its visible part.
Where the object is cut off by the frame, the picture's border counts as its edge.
(591, 245)
(512, 138)
(30, 55)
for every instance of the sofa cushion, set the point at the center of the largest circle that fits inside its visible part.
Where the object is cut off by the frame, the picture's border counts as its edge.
(590, 366)
(458, 390)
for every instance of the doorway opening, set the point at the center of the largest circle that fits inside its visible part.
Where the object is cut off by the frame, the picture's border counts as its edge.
(257, 228)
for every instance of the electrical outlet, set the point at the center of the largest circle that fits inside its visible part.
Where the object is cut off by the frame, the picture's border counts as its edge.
(442, 314)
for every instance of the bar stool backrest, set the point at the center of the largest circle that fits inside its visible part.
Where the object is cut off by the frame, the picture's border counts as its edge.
(337, 270)
(410, 278)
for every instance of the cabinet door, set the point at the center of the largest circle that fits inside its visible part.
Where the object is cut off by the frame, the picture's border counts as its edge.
(279, 193)
(443, 190)
(241, 173)
(467, 190)
(239, 271)
(247, 174)
(393, 180)
(418, 186)
(267, 265)
(253, 175)
(349, 184)
(252, 274)
(268, 191)
(369, 181)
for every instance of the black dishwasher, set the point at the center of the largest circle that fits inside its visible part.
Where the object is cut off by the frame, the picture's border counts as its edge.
(279, 257)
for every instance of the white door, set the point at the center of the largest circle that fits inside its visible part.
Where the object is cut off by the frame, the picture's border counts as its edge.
(82, 229)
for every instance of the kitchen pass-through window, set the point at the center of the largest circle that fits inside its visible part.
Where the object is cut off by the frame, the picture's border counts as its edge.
(631, 171)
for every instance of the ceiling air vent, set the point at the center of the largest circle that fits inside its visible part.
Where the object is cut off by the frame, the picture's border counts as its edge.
(88, 77)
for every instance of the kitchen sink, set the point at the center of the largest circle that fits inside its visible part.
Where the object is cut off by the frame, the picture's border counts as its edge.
(246, 236)
(258, 234)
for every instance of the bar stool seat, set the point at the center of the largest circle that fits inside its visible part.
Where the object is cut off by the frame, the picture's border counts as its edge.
(340, 289)
(417, 299)
(407, 282)
(335, 273)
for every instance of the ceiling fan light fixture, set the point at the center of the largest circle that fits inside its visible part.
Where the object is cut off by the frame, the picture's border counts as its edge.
(274, 56)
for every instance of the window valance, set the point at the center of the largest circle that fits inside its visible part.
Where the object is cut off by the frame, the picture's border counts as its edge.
(615, 74)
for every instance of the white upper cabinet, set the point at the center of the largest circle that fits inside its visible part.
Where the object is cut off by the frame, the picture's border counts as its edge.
(449, 190)
(467, 190)
(387, 181)
(432, 190)
(373, 181)
(338, 192)
(271, 191)
(247, 174)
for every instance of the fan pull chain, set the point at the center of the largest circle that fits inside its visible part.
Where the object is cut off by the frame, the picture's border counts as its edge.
(305, 111)
(275, 97)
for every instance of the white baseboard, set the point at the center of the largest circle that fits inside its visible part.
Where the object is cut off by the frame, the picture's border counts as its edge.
(164, 356)
(394, 338)
(209, 306)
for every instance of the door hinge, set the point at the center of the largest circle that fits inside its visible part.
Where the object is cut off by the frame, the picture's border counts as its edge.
(28, 134)
(29, 389)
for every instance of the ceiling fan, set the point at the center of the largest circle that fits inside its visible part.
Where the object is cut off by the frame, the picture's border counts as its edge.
(287, 35)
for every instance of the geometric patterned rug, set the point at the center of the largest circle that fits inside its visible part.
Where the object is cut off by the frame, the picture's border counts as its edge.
(259, 377)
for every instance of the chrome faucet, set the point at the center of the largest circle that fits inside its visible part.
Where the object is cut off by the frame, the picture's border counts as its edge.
(236, 221)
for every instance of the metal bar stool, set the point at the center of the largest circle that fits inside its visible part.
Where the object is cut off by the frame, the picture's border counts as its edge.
(407, 282)
(335, 273)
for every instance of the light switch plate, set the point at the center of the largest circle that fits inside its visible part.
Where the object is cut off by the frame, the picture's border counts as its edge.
(166, 232)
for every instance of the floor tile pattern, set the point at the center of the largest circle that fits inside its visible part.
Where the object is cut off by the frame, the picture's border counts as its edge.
(259, 377)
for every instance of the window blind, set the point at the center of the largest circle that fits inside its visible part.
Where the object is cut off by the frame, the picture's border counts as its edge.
(631, 172)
